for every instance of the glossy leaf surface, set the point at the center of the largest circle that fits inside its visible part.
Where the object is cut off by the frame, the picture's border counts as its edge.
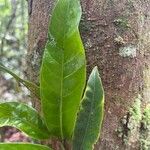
(29, 85)
(90, 116)
(24, 118)
(62, 76)
(22, 146)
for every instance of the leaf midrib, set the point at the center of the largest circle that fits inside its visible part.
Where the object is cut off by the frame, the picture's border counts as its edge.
(62, 79)
(61, 98)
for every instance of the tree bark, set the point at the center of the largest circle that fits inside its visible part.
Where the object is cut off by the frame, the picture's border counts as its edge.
(116, 35)
(39, 14)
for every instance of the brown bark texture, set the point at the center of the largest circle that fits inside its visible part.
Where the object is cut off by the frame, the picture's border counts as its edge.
(116, 36)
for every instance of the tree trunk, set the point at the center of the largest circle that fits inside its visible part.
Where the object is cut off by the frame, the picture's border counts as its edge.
(116, 35)
(39, 13)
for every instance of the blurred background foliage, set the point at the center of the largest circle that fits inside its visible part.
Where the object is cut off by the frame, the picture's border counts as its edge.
(13, 46)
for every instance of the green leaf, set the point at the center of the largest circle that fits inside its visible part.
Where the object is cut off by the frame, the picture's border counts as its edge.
(22, 146)
(29, 85)
(90, 116)
(24, 118)
(62, 76)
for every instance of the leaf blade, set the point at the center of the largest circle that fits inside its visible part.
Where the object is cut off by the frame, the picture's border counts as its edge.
(90, 116)
(22, 146)
(29, 85)
(24, 118)
(62, 76)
